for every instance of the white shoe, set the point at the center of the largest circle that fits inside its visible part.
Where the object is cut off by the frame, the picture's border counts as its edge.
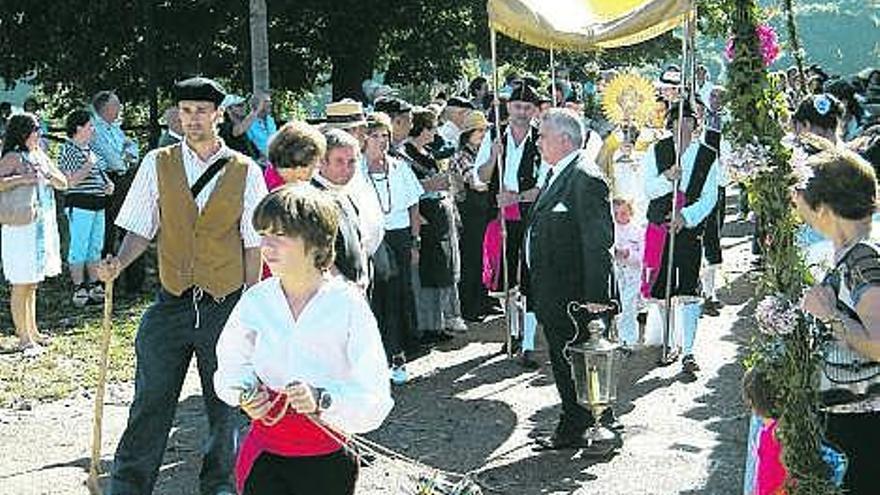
(399, 376)
(33, 350)
(457, 325)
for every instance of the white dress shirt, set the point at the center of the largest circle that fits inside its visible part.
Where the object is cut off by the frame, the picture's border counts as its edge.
(657, 185)
(372, 221)
(333, 344)
(512, 157)
(140, 211)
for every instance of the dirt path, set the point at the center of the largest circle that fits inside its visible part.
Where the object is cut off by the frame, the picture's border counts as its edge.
(469, 409)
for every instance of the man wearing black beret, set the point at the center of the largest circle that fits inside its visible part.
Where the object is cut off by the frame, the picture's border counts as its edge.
(514, 193)
(401, 119)
(198, 196)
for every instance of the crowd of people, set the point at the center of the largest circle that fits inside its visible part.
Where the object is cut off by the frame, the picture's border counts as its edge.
(304, 264)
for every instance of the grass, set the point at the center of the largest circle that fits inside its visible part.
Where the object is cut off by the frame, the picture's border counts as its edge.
(70, 364)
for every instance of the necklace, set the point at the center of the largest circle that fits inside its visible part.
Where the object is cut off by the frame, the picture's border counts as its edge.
(386, 178)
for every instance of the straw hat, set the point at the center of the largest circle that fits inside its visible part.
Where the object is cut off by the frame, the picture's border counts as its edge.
(475, 120)
(344, 114)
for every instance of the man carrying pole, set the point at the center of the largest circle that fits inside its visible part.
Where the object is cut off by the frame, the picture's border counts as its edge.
(677, 234)
(513, 191)
(199, 196)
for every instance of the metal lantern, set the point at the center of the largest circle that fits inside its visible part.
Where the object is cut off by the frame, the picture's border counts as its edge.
(595, 367)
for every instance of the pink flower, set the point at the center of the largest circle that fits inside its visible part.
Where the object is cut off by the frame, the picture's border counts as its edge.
(768, 41)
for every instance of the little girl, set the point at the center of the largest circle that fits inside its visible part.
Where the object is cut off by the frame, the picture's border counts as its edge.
(628, 246)
(769, 472)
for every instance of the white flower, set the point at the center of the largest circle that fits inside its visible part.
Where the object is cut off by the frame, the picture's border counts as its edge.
(776, 316)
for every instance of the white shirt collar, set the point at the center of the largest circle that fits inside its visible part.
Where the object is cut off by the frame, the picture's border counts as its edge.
(561, 165)
(190, 155)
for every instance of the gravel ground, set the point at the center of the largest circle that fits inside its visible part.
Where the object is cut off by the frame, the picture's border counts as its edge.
(469, 409)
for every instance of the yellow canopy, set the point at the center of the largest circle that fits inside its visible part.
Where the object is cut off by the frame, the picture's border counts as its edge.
(584, 25)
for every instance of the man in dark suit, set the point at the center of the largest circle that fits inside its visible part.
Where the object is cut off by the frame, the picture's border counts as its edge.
(568, 248)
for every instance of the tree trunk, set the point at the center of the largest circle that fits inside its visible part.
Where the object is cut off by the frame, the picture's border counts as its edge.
(259, 46)
(353, 36)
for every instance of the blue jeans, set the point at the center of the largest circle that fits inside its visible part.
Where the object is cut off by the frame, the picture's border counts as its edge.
(166, 340)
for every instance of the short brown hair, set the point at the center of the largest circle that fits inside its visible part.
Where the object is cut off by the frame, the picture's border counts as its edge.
(304, 212)
(759, 393)
(423, 118)
(296, 145)
(844, 182)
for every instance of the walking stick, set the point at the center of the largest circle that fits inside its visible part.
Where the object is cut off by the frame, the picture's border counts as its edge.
(505, 270)
(94, 465)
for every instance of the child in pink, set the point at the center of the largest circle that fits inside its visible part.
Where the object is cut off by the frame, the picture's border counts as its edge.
(629, 239)
(770, 473)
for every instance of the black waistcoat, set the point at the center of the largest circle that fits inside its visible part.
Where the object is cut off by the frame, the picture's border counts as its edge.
(527, 175)
(664, 155)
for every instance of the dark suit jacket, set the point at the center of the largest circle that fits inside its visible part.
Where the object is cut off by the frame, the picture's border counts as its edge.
(348, 240)
(570, 249)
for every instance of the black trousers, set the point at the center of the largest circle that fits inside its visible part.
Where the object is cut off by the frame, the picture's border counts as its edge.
(166, 341)
(686, 262)
(858, 435)
(574, 417)
(712, 233)
(474, 218)
(393, 301)
(332, 474)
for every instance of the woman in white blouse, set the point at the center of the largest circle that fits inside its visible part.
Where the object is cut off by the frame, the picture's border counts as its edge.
(302, 356)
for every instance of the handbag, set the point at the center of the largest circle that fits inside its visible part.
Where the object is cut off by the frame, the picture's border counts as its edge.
(18, 206)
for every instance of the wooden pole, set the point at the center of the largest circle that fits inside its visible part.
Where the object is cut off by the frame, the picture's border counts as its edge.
(505, 270)
(95, 462)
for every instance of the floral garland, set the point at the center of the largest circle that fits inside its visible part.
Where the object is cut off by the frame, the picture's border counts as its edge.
(785, 346)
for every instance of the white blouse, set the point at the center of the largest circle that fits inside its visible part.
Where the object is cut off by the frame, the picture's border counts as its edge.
(334, 344)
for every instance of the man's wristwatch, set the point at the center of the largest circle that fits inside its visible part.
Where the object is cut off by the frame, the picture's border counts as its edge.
(323, 399)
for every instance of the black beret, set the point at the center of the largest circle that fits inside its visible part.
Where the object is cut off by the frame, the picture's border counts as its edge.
(391, 105)
(459, 102)
(199, 89)
(524, 92)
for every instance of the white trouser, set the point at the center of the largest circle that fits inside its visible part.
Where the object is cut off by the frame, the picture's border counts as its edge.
(628, 283)
(710, 273)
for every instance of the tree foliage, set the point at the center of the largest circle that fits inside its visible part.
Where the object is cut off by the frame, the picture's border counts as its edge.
(78, 47)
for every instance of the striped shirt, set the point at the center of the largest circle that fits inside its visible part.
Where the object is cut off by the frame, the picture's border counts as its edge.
(71, 159)
(140, 211)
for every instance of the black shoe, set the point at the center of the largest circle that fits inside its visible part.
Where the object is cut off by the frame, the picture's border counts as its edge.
(689, 364)
(710, 308)
(565, 437)
(527, 361)
(436, 337)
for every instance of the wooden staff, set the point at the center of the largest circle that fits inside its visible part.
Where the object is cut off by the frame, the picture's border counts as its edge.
(94, 465)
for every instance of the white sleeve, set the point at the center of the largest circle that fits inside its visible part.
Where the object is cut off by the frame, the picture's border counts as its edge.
(695, 213)
(656, 184)
(139, 213)
(362, 401)
(413, 189)
(483, 155)
(254, 191)
(370, 217)
(235, 350)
